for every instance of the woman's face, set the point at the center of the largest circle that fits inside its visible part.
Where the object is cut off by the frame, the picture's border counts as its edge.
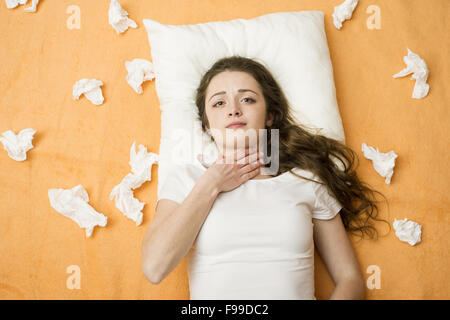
(235, 96)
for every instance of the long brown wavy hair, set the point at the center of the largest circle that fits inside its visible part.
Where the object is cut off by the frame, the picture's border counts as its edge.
(300, 148)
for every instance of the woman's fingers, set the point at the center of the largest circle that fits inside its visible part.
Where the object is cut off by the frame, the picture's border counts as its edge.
(251, 174)
(249, 168)
(238, 156)
(241, 159)
(251, 158)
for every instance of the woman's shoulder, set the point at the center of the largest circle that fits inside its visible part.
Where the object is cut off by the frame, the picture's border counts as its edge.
(303, 173)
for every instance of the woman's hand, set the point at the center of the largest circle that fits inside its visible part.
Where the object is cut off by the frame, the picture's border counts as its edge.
(228, 174)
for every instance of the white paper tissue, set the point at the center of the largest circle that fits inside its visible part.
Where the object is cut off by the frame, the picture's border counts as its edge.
(118, 17)
(91, 90)
(343, 12)
(10, 4)
(18, 145)
(408, 231)
(417, 66)
(382, 162)
(141, 165)
(33, 6)
(73, 203)
(139, 70)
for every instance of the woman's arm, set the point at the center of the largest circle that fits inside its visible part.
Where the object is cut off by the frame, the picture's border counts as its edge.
(175, 227)
(173, 230)
(335, 249)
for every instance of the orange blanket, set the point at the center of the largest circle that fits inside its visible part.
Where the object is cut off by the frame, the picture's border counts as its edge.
(79, 143)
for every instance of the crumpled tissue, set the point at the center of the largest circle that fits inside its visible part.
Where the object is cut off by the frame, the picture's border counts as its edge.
(10, 4)
(118, 17)
(141, 165)
(382, 162)
(417, 66)
(343, 12)
(73, 203)
(408, 231)
(33, 6)
(139, 70)
(91, 90)
(18, 145)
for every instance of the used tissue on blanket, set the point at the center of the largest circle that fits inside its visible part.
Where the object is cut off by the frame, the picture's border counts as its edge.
(18, 145)
(118, 17)
(382, 162)
(33, 6)
(73, 203)
(91, 90)
(139, 70)
(10, 4)
(408, 231)
(343, 12)
(417, 66)
(141, 165)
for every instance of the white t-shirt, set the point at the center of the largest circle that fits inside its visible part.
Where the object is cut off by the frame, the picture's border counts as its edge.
(257, 240)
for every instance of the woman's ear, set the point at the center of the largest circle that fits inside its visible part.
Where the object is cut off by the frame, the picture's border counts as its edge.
(269, 120)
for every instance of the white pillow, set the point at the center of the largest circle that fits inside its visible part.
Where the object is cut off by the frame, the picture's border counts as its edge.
(291, 45)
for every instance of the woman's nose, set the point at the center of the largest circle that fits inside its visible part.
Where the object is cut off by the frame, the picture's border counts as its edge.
(234, 110)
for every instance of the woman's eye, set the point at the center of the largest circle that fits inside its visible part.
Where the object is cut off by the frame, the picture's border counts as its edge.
(248, 100)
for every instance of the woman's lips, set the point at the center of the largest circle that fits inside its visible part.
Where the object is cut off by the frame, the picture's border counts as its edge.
(234, 126)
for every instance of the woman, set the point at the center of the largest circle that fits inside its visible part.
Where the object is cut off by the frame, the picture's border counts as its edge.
(247, 235)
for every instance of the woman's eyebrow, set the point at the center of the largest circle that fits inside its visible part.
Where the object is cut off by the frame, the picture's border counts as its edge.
(223, 92)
